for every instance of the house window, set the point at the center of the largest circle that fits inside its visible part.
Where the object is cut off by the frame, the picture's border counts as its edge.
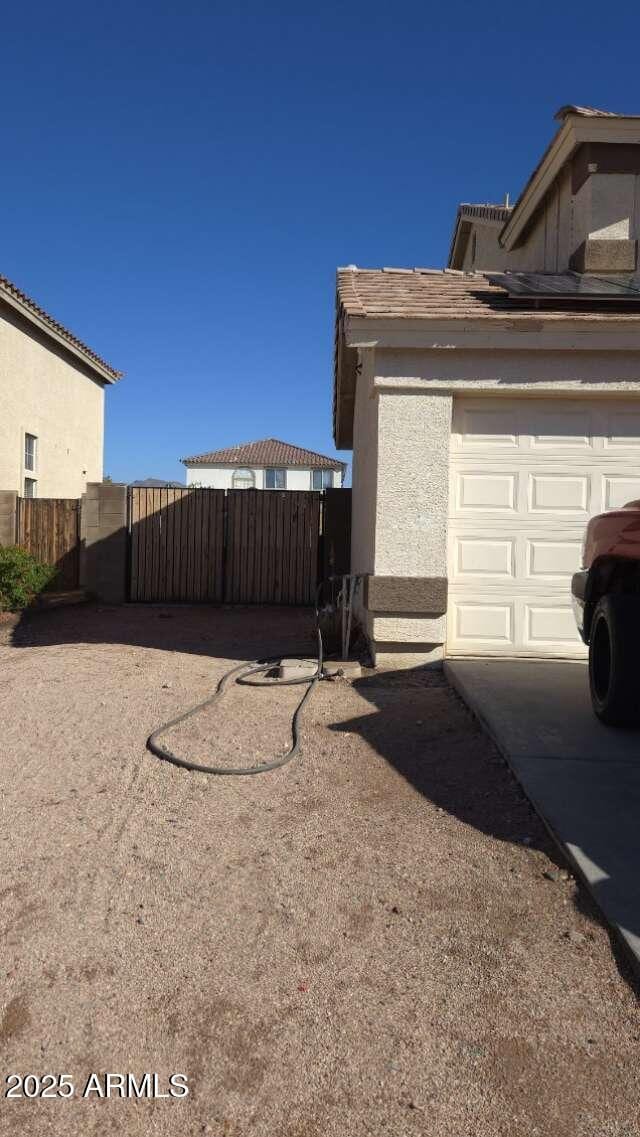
(243, 479)
(275, 479)
(30, 485)
(321, 479)
(474, 249)
(30, 450)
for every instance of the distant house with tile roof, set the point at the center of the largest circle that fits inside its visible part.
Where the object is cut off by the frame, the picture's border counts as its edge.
(51, 402)
(267, 464)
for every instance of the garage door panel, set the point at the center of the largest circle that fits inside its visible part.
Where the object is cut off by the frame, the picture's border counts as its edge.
(482, 491)
(475, 556)
(622, 430)
(617, 490)
(487, 427)
(554, 428)
(548, 558)
(518, 515)
(549, 626)
(558, 493)
(526, 625)
(483, 623)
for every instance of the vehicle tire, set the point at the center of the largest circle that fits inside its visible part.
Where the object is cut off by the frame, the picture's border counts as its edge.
(614, 647)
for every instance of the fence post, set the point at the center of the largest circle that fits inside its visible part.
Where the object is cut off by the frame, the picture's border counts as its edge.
(8, 517)
(104, 541)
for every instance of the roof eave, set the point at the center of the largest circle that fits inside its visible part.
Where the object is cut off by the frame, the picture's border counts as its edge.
(511, 332)
(105, 373)
(346, 362)
(454, 240)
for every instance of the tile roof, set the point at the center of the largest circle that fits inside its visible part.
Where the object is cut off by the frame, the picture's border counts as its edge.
(431, 294)
(265, 452)
(587, 112)
(486, 211)
(12, 292)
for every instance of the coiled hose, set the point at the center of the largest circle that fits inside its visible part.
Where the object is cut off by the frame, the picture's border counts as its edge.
(241, 675)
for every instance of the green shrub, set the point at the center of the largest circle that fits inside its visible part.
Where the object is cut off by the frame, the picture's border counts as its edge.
(22, 577)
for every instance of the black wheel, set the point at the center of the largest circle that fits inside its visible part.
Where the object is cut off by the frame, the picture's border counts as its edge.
(614, 645)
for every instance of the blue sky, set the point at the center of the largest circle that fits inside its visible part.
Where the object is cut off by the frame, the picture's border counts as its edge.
(180, 181)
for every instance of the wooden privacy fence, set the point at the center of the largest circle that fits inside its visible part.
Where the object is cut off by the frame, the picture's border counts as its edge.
(272, 546)
(177, 544)
(226, 546)
(49, 529)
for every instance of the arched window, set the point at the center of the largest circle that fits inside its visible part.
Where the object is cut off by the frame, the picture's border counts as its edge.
(243, 480)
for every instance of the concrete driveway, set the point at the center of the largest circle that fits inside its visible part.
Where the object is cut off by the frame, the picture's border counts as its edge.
(582, 777)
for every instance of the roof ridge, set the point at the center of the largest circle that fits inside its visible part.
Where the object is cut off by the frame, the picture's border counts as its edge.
(265, 452)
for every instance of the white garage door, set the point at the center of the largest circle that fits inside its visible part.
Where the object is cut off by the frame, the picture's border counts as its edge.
(526, 474)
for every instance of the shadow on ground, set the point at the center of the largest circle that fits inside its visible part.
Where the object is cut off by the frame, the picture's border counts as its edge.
(418, 705)
(241, 633)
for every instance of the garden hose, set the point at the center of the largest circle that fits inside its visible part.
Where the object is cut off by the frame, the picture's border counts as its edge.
(241, 675)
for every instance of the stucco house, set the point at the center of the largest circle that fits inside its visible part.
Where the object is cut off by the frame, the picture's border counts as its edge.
(491, 413)
(51, 402)
(264, 465)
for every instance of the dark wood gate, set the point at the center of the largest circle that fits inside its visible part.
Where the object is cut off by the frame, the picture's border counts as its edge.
(177, 544)
(233, 547)
(272, 546)
(48, 528)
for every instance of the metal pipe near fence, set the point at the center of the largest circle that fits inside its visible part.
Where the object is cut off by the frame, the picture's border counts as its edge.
(346, 605)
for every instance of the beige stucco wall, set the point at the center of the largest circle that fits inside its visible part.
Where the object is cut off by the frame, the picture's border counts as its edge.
(506, 372)
(413, 481)
(364, 476)
(604, 207)
(44, 394)
(411, 515)
(553, 235)
(489, 255)
(400, 505)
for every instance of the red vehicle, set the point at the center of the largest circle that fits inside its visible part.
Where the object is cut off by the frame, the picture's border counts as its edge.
(606, 600)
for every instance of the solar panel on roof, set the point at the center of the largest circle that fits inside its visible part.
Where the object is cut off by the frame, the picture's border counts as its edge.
(555, 285)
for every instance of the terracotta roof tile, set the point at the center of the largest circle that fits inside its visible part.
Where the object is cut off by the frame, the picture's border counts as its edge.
(447, 295)
(265, 452)
(32, 307)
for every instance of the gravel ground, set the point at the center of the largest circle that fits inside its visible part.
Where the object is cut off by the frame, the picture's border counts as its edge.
(377, 939)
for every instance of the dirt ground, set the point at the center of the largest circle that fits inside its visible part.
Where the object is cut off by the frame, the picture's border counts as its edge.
(376, 939)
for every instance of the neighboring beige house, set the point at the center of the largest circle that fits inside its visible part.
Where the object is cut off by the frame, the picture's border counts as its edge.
(491, 416)
(51, 402)
(268, 464)
(475, 242)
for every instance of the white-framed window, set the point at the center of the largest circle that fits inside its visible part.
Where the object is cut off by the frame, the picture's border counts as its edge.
(322, 479)
(243, 479)
(30, 452)
(275, 479)
(30, 487)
